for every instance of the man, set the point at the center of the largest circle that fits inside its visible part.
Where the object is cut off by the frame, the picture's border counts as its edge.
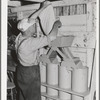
(28, 72)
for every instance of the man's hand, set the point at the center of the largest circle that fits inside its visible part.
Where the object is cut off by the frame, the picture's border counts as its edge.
(45, 4)
(54, 30)
(58, 23)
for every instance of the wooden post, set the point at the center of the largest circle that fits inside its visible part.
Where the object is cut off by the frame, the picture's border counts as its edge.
(91, 16)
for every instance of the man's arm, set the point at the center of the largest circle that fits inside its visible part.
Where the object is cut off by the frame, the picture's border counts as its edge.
(40, 42)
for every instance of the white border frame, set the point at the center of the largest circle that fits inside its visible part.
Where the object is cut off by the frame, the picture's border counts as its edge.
(97, 52)
(3, 49)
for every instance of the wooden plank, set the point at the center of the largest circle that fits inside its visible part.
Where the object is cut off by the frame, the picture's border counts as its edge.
(69, 2)
(73, 28)
(89, 17)
(66, 90)
(14, 3)
(66, 10)
(84, 8)
(35, 0)
(93, 0)
(63, 41)
(82, 39)
(84, 42)
(49, 96)
(93, 82)
(78, 33)
(94, 15)
(25, 8)
(90, 55)
(77, 9)
(79, 52)
(73, 23)
(54, 10)
(54, 4)
(74, 20)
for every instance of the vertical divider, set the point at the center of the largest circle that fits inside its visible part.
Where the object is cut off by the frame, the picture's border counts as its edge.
(52, 78)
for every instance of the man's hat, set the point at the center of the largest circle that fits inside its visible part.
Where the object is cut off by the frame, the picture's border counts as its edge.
(24, 24)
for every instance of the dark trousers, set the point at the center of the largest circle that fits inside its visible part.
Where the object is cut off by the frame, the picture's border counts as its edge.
(28, 81)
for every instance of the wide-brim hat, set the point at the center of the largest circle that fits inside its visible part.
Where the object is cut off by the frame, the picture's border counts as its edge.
(24, 24)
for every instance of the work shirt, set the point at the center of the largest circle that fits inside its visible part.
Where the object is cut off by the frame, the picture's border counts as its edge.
(27, 48)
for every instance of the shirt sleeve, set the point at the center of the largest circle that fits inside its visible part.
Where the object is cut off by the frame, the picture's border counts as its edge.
(37, 43)
(16, 41)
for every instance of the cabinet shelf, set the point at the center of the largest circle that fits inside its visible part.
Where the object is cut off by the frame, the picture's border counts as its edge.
(66, 90)
(49, 96)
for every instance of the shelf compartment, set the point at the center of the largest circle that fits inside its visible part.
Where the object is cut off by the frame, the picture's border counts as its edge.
(49, 96)
(66, 90)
